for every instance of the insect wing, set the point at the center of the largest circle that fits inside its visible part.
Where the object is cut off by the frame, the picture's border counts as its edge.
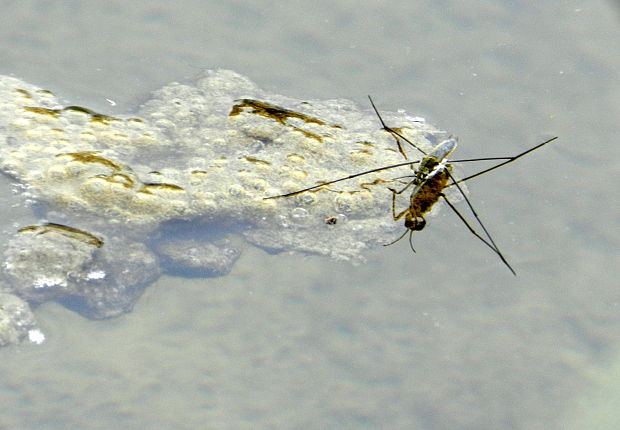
(443, 149)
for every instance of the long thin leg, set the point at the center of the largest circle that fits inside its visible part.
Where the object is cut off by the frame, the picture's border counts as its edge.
(396, 135)
(508, 160)
(491, 245)
(378, 169)
(465, 160)
(473, 211)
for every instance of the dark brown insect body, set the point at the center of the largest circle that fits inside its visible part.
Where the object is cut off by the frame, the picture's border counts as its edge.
(423, 198)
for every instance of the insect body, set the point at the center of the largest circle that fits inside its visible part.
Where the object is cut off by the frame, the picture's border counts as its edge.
(429, 180)
(432, 176)
(428, 189)
(423, 197)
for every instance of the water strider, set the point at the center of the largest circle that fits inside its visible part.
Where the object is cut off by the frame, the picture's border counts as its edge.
(430, 178)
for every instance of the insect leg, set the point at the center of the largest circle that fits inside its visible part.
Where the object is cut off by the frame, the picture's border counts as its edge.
(314, 187)
(404, 188)
(400, 215)
(490, 244)
(508, 160)
(396, 135)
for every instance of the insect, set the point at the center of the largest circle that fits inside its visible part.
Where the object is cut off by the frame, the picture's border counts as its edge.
(429, 180)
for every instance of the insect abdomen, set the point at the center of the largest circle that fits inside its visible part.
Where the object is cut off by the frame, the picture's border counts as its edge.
(428, 193)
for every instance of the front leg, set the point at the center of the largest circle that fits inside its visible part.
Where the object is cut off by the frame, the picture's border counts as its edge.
(400, 215)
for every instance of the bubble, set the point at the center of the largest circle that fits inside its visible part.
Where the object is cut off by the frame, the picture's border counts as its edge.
(299, 213)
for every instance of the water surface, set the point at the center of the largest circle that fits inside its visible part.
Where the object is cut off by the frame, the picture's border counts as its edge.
(443, 339)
